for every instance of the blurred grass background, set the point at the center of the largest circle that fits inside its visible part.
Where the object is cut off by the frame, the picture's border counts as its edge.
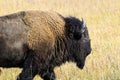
(103, 21)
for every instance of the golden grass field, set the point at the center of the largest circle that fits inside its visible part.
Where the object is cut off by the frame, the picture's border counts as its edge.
(103, 21)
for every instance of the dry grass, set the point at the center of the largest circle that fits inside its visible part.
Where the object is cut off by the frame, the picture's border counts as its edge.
(103, 21)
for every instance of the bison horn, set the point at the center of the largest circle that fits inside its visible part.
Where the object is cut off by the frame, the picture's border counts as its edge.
(83, 26)
(83, 23)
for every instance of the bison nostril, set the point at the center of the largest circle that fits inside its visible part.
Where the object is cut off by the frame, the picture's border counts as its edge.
(89, 51)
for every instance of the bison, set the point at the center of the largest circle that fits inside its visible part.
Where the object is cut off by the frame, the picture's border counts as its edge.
(38, 41)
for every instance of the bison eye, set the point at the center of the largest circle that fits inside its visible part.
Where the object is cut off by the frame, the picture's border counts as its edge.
(71, 36)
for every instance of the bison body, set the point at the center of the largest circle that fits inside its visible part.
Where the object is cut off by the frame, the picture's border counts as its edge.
(39, 41)
(12, 40)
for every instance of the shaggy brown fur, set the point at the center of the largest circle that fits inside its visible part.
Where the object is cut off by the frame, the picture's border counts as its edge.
(38, 41)
(44, 28)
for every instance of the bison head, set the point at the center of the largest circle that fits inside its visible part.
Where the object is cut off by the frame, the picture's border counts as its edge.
(79, 41)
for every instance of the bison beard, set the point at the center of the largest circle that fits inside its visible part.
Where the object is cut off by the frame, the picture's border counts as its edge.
(39, 41)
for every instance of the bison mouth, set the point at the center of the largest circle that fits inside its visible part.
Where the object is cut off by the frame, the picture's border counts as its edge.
(80, 65)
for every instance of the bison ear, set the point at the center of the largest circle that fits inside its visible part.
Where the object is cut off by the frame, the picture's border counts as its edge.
(83, 25)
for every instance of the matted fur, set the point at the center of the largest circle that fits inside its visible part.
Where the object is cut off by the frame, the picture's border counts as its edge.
(44, 28)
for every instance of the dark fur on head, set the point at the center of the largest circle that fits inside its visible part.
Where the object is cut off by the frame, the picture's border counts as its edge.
(73, 27)
(80, 43)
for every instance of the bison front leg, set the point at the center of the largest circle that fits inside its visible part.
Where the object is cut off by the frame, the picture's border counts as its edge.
(29, 69)
(48, 75)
